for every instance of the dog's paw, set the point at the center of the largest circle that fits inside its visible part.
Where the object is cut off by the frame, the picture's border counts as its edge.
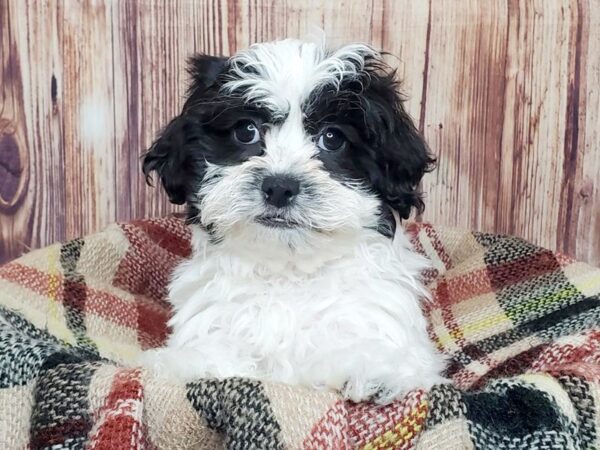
(385, 390)
(358, 392)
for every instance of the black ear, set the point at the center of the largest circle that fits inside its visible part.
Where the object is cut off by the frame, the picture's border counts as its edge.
(402, 156)
(171, 155)
(407, 158)
(203, 71)
(168, 157)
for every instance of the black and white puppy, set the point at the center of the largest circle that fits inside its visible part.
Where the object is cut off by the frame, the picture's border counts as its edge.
(296, 163)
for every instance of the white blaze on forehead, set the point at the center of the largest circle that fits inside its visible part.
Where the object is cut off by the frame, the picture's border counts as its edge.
(280, 75)
(288, 148)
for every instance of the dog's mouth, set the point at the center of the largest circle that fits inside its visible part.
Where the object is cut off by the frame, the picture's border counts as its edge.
(274, 221)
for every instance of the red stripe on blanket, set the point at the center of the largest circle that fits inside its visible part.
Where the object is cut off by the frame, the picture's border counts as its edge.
(331, 431)
(152, 323)
(461, 288)
(120, 418)
(428, 275)
(464, 378)
(437, 245)
(146, 267)
(97, 302)
(516, 365)
(172, 235)
(35, 280)
(560, 354)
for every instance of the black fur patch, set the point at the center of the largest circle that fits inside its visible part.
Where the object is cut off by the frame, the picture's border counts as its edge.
(383, 151)
(201, 133)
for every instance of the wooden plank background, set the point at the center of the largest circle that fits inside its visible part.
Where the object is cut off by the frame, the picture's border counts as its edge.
(506, 92)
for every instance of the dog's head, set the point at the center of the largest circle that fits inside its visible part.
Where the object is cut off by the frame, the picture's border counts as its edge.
(288, 140)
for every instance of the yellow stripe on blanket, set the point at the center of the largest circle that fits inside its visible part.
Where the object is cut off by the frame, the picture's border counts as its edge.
(403, 432)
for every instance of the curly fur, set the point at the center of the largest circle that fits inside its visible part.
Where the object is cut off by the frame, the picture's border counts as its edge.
(331, 299)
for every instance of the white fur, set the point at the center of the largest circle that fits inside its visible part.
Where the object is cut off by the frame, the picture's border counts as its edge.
(347, 320)
(330, 303)
(284, 73)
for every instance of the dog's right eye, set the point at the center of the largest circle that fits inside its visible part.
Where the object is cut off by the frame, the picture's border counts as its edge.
(246, 132)
(331, 139)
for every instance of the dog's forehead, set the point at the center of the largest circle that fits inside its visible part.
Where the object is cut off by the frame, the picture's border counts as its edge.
(281, 75)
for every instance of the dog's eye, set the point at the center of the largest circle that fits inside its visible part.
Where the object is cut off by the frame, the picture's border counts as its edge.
(246, 132)
(331, 139)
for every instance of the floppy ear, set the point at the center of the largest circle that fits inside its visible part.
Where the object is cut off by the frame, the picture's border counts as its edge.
(171, 155)
(203, 71)
(401, 155)
(406, 158)
(168, 157)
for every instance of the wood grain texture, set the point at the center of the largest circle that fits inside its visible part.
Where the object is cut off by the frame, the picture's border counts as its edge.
(507, 93)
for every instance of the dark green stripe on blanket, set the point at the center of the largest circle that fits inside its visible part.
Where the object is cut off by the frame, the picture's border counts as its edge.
(583, 404)
(571, 319)
(75, 293)
(60, 415)
(240, 410)
(23, 349)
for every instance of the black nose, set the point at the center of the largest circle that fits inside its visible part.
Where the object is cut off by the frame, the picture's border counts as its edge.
(280, 190)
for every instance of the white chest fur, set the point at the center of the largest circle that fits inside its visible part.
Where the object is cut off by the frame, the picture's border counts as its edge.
(350, 321)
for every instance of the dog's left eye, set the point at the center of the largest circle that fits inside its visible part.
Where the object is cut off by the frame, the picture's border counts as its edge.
(246, 132)
(331, 139)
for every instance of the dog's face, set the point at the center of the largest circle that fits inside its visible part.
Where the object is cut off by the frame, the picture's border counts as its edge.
(287, 141)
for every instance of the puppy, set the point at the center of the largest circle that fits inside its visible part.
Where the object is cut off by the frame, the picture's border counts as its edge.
(296, 163)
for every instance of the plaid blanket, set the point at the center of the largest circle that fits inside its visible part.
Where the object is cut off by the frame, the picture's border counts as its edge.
(518, 323)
